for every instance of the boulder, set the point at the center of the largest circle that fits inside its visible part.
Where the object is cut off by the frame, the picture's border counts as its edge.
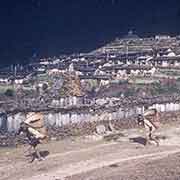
(100, 129)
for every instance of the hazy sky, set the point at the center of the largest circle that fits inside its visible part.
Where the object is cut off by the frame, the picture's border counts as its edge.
(51, 27)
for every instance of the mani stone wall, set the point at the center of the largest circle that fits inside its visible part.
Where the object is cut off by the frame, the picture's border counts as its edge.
(11, 123)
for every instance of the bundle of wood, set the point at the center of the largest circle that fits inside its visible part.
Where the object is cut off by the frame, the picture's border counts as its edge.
(35, 120)
(72, 85)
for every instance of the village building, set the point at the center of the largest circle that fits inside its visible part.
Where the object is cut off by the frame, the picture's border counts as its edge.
(4, 78)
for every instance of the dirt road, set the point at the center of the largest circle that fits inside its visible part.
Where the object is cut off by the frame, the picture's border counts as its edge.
(87, 159)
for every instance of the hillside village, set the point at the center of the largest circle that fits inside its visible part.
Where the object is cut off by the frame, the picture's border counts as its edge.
(126, 70)
(90, 90)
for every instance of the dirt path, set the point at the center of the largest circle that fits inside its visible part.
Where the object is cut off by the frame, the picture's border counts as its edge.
(82, 159)
(97, 163)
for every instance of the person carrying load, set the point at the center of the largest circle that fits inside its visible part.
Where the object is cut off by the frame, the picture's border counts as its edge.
(151, 121)
(35, 131)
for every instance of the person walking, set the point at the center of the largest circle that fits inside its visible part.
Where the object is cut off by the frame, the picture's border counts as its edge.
(151, 121)
(35, 132)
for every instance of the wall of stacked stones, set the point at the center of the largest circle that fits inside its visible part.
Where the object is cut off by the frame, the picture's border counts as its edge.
(11, 123)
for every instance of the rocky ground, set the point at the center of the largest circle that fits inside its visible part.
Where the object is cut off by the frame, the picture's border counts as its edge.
(96, 158)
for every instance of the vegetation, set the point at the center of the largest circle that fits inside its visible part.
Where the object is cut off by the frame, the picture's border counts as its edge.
(167, 87)
(4, 88)
(9, 93)
(130, 92)
(44, 87)
(172, 72)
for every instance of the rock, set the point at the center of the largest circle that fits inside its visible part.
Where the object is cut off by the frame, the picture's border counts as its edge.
(91, 138)
(100, 129)
(53, 138)
(101, 102)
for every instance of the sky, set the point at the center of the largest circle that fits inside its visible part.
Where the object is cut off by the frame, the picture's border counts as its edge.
(52, 27)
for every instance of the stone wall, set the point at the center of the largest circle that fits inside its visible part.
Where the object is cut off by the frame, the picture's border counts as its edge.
(61, 119)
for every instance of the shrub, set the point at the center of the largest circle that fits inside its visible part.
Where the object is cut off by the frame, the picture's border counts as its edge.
(129, 92)
(9, 92)
(44, 87)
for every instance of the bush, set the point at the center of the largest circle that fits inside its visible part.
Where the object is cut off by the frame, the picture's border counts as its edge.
(130, 92)
(44, 87)
(9, 93)
(161, 88)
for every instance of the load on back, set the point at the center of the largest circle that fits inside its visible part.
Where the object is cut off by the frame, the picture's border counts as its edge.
(34, 129)
(151, 121)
